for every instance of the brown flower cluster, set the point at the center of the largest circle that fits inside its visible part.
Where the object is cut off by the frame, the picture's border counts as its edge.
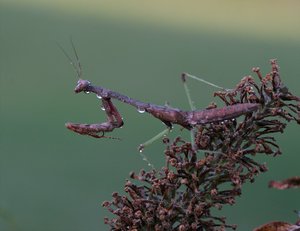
(196, 179)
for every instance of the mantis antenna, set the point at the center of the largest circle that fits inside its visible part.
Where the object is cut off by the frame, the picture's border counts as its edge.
(77, 66)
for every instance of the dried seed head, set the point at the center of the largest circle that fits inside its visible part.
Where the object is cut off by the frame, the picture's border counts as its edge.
(182, 194)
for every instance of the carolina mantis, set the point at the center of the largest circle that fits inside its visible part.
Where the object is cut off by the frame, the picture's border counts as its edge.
(168, 115)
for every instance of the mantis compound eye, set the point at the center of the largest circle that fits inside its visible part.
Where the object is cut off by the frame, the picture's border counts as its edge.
(82, 85)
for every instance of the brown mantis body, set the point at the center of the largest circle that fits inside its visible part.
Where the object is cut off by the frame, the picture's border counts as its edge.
(168, 115)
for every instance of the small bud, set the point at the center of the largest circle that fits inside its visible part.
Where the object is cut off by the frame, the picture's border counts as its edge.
(182, 228)
(106, 204)
(184, 181)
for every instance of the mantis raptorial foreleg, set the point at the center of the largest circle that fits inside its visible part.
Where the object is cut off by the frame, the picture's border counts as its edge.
(114, 120)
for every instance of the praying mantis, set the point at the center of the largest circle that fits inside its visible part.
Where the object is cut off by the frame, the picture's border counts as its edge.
(168, 115)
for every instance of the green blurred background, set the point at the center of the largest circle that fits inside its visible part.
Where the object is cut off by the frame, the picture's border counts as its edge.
(52, 179)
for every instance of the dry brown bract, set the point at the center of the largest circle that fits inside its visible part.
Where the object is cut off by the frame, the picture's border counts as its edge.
(293, 182)
(278, 226)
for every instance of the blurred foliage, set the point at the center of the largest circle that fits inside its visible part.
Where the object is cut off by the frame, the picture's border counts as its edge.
(52, 179)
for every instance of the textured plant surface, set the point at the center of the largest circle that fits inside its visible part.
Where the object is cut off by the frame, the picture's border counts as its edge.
(210, 173)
